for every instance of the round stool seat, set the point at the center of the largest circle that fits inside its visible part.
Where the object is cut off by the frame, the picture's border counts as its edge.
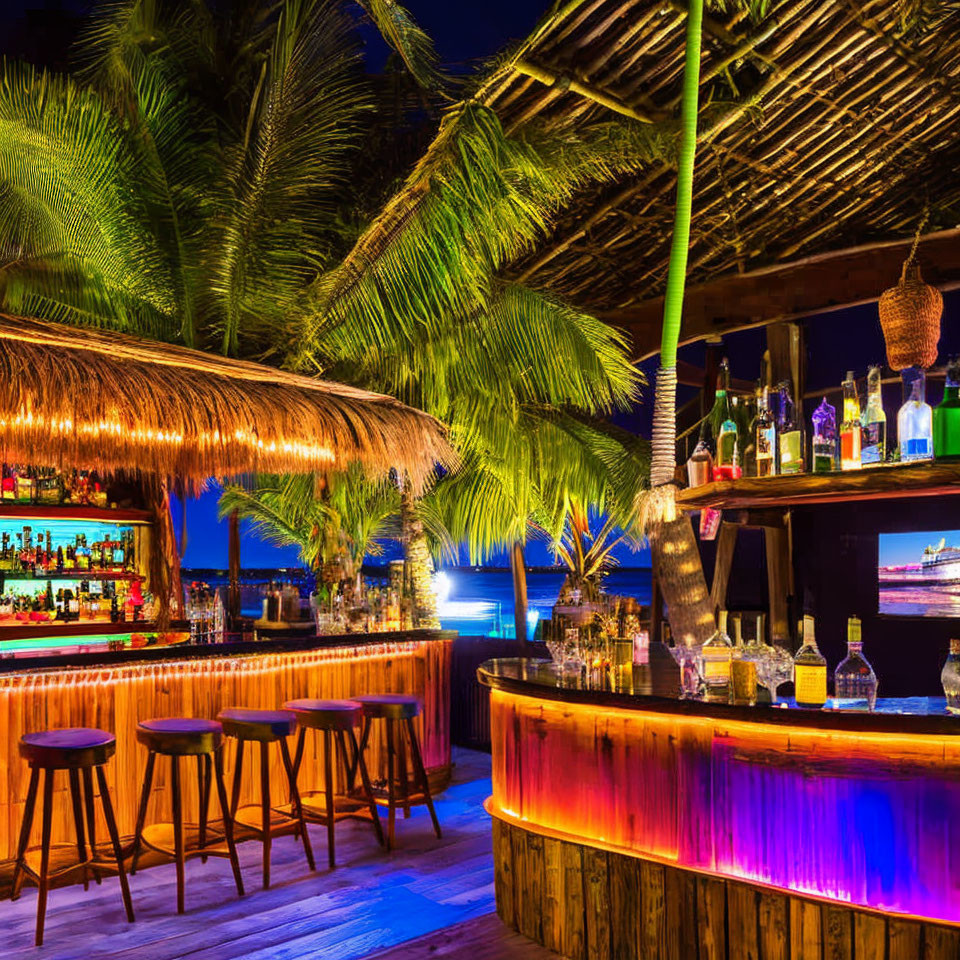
(326, 714)
(390, 706)
(264, 726)
(180, 736)
(67, 748)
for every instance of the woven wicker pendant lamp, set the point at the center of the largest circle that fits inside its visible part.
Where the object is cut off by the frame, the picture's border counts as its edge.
(910, 315)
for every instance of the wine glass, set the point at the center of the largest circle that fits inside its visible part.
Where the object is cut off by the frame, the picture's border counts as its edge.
(774, 668)
(687, 658)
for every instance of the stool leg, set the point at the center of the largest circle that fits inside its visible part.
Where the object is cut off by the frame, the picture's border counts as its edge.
(237, 774)
(25, 828)
(348, 764)
(295, 802)
(204, 773)
(227, 819)
(91, 817)
(77, 803)
(391, 797)
(361, 763)
(298, 756)
(142, 812)
(177, 829)
(328, 793)
(265, 809)
(364, 737)
(421, 772)
(107, 805)
(44, 854)
(402, 764)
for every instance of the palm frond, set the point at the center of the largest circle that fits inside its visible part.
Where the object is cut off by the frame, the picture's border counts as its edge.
(280, 184)
(403, 35)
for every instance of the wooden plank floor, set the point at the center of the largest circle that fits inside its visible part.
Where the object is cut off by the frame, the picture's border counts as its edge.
(372, 903)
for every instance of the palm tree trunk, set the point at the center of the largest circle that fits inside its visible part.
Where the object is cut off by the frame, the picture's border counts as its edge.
(675, 552)
(519, 570)
(419, 562)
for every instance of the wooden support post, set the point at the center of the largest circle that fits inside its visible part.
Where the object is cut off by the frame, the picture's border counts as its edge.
(726, 544)
(779, 580)
(233, 560)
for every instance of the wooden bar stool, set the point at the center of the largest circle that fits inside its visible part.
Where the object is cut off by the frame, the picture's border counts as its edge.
(336, 719)
(78, 750)
(266, 727)
(398, 711)
(177, 737)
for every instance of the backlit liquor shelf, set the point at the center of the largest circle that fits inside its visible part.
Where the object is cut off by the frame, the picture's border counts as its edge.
(649, 818)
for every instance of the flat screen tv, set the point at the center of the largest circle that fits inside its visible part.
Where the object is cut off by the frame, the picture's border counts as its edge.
(919, 574)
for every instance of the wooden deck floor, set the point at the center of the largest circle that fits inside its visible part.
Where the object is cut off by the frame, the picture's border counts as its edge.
(430, 898)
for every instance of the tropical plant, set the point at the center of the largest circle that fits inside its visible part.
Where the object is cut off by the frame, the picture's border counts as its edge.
(194, 177)
(586, 554)
(193, 184)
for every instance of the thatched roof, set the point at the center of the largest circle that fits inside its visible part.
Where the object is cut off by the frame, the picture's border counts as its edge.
(830, 126)
(108, 401)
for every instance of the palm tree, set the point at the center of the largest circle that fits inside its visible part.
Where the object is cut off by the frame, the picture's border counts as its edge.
(194, 176)
(677, 557)
(193, 183)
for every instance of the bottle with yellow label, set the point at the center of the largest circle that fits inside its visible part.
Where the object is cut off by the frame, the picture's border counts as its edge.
(715, 657)
(809, 670)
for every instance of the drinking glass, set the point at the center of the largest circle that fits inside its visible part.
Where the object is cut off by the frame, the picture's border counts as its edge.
(774, 668)
(688, 660)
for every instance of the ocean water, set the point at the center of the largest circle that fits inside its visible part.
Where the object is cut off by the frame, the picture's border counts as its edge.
(481, 602)
(477, 602)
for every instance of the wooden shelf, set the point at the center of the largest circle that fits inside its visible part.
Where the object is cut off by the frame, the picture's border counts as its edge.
(24, 630)
(71, 511)
(891, 481)
(71, 575)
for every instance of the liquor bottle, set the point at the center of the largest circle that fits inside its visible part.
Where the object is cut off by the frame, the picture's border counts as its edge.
(854, 682)
(950, 677)
(715, 656)
(765, 437)
(26, 486)
(873, 423)
(946, 416)
(824, 422)
(915, 422)
(8, 485)
(727, 456)
(850, 426)
(809, 670)
(791, 436)
(749, 411)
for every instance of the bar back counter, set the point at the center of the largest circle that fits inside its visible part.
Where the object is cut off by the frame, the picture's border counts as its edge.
(116, 690)
(629, 823)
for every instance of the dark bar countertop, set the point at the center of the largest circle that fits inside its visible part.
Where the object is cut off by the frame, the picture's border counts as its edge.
(655, 687)
(288, 643)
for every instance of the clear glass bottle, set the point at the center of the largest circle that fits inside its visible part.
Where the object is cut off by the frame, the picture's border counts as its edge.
(854, 682)
(809, 670)
(824, 422)
(715, 656)
(946, 416)
(950, 677)
(765, 437)
(873, 423)
(791, 434)
(850, 426)
(915, 419)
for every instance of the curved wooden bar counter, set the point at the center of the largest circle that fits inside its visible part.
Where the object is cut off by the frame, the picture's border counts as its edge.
(633, 824)
(199, 682)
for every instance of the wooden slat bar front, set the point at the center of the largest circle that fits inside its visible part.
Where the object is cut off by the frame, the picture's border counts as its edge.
(117, 697)
(629, 817)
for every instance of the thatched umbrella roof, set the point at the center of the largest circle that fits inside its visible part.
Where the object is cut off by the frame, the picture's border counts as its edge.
(107, 401)
(826, 126)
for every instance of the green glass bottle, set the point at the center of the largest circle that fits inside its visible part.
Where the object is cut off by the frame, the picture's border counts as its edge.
(946, 416)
